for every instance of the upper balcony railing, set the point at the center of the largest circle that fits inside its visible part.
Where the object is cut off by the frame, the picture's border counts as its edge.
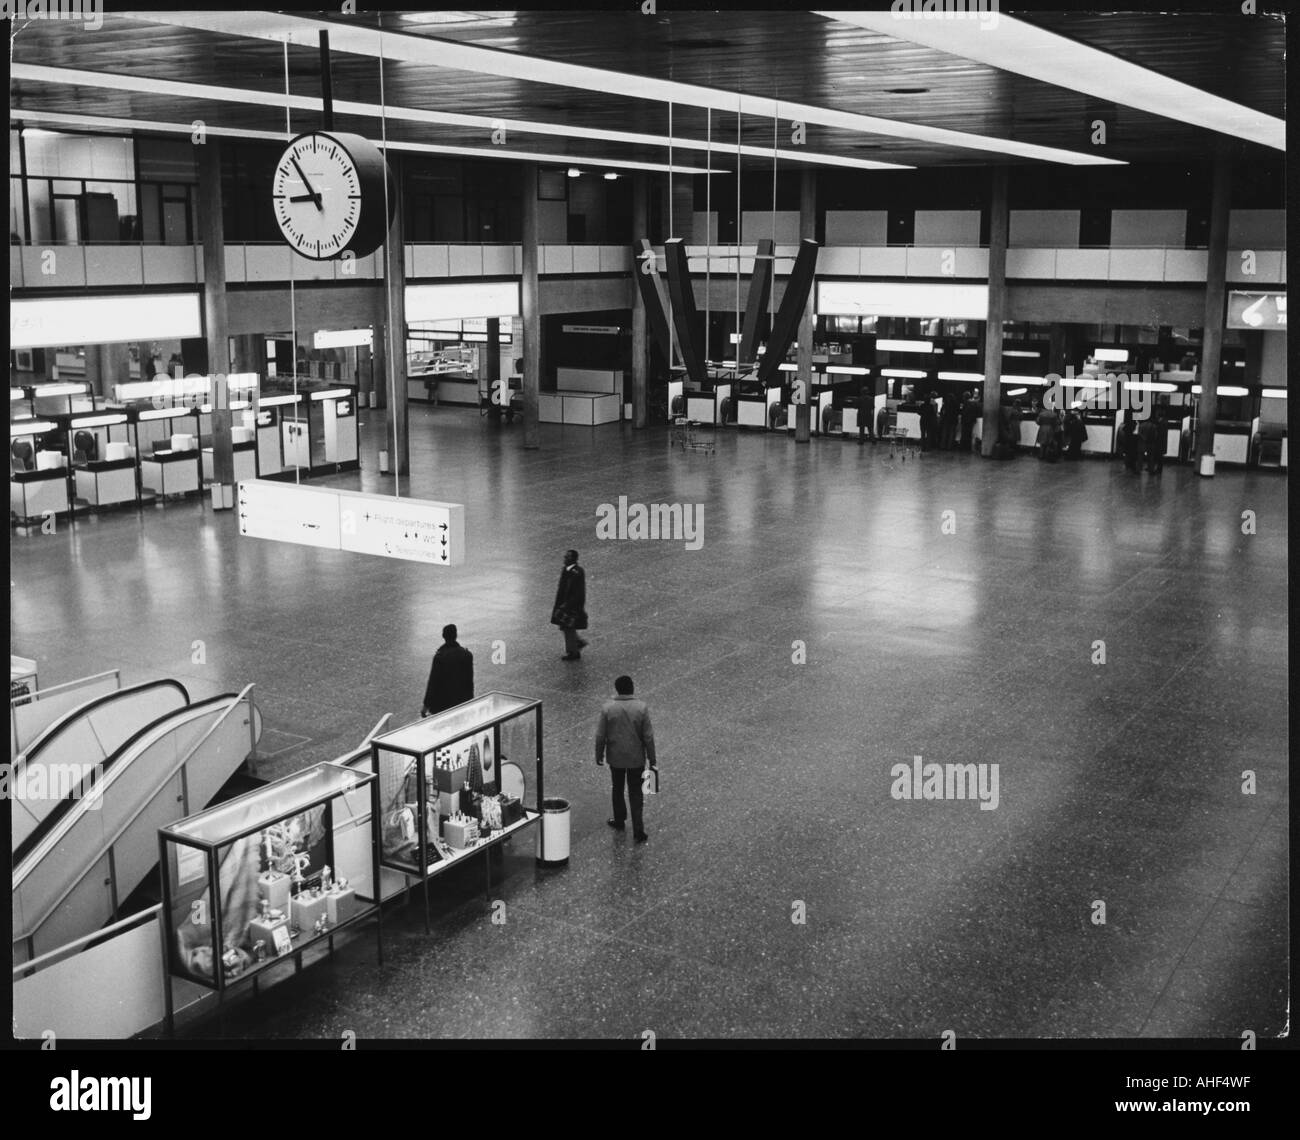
(251, 263)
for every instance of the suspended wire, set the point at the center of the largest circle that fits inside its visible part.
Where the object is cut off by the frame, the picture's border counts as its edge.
(293, 297)
(396, 337)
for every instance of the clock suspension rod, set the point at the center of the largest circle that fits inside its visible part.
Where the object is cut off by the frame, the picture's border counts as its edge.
(326, 94)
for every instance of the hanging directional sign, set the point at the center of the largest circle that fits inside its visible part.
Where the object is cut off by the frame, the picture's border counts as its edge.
(1256, 310)
(417, 530)
(289, 513)
(414, 529)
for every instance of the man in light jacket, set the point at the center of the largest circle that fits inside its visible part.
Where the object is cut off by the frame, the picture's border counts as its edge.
(625, 735)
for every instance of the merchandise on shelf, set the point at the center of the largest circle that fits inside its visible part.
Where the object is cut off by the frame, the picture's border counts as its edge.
(305, 909)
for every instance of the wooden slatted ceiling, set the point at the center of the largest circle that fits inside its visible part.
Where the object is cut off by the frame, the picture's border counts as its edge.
(790, 55)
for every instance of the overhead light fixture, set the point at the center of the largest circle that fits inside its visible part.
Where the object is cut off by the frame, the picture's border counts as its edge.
(278, 401)
(965, 352)
(610, 176)
(1036, 381)
(1017, 391)
(1274, 393)
(1111, 355)
(961, 377)
(574, 172)
(30, 427)
(332, 394)
(164, 413)
(97, 421)
(1149, 386)
(847, 370)
(904, 346)
(16, 394)
(1014, 46)
(105, 122)
(1233, 390)
(903, 373)
(430, 51)
(60, 390)
(1079, 382)
(1021, 352)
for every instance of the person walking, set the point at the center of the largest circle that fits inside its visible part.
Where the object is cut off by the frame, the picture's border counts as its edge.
(949, 412)
(451, 676)
(1130, 446)
(1157, 436)
(970, 412)
(1075, 433)
(570, 609)
(624, 735)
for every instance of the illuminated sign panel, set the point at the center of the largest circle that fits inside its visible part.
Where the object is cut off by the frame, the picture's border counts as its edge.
(1261, 311)
(899, 299)
(51, 322)
(474, 299)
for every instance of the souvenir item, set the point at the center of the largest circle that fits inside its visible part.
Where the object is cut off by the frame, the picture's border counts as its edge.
(305, 909)
(490, 813)
(448, 803)
(449, 772)
(474, 779)
(234, 962)
(262, 929)
(273, 889)
(460, 831)
(340, 903)
(512, 810)
(259, 951)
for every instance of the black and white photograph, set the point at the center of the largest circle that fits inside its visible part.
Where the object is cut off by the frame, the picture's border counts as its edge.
(650, 528)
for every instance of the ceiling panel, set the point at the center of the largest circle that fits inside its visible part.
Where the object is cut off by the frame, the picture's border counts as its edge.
(794, 56)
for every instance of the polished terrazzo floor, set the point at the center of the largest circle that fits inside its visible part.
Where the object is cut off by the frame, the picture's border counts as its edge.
(1119, 783)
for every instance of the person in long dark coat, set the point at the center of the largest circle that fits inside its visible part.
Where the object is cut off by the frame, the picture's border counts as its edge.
(970, 412)
(451, 676)
(570, 609)
(948, 415)
(1075, 434)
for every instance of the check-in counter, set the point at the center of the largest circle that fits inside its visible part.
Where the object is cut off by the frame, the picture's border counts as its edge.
(1232, 440)
(174, 470)
(709, 407)
(823, 401)
(676, 399)
(271, 411)
(757, 409)
(111, 480)
(244, 449)
(598, 380)
(38, 478)
(1103, 431)
(452, 386)
(586, 408)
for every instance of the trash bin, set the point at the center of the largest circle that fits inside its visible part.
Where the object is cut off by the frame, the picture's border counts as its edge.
(553, 833)
(1206, 465)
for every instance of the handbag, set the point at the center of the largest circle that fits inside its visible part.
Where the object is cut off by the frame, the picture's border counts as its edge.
(563, 618)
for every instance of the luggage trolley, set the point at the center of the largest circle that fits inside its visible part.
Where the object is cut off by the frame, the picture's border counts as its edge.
(900, 441)
(687, 436)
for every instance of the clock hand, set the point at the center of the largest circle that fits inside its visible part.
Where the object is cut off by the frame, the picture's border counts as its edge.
(314, 195)
(307, 198)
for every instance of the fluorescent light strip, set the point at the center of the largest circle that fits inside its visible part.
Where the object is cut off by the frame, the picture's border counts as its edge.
(16, 394)
(963, 377)
(903, 373)
(1232, 390)
(96, 421)
(277, 401)
(1017, 391)
(60, 390)
(30, 427)
(1149, 386)
(904, 346)
(430, 51)
(1274, 393)
(1111, 355)
(1021, 352)
(1037, 381)
(1022, 49)
(847, 370)
(787, 368)
(1077, 383)
(332, 394)
(164, 413)
(965, 352)
(173, 89)
(108, 123)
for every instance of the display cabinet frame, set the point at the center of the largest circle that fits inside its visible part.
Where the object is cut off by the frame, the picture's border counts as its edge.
(203, 837)
(416, 745)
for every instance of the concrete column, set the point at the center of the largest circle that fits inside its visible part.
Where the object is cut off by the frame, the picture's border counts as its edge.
(529, 297)
(999, 222)
(640, 338)
(397, 436)
(216, 326)
(1216, 269)
(804, 354)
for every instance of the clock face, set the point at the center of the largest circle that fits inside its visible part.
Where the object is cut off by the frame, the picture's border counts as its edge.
(317, 194)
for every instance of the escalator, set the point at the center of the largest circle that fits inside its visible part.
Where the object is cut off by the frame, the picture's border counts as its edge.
(61, 755)
(88, 851)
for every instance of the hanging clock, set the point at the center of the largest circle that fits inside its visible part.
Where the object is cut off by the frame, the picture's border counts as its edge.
(328, 195)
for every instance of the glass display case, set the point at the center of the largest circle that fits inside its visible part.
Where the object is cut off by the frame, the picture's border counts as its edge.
(270, 853)
(439, 785)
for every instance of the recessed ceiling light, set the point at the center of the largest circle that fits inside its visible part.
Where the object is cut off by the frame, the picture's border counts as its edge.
(574, 172)
(610, 176)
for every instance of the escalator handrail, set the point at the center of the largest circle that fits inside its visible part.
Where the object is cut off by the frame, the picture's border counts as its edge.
(61, 809)
(74, 715)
